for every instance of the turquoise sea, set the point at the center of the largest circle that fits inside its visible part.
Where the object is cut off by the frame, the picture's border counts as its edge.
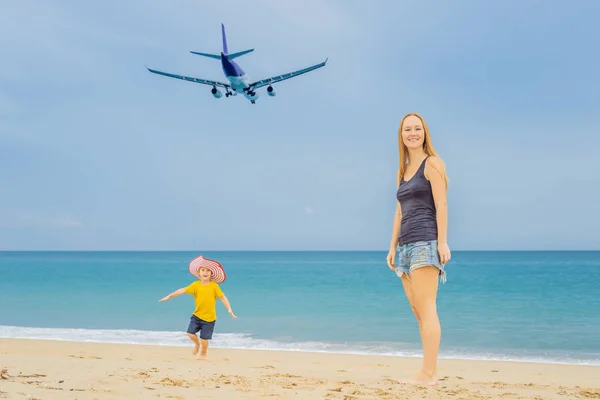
(527, 306)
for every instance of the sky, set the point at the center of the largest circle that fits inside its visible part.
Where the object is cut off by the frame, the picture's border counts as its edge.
(96, 153)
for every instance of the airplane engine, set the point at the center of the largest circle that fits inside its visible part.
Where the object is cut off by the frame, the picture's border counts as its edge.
(216, 93)
(271, 91)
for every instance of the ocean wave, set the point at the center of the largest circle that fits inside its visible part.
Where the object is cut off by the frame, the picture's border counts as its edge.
(246, 341)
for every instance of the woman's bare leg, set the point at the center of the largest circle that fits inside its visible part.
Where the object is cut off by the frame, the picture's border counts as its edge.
(408, 292)
(424, 287)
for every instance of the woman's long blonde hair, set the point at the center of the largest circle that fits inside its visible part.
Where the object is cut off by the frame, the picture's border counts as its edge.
(427, 146)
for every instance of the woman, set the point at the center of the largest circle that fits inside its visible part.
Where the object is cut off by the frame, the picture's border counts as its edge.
(420, 227)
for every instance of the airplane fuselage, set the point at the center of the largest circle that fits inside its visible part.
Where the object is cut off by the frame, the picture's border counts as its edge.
(237, 78)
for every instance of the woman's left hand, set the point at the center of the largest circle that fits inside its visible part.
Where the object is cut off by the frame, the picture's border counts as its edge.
(444, 252)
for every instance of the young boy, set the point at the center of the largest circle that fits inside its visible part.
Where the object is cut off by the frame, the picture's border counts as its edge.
(205, 292)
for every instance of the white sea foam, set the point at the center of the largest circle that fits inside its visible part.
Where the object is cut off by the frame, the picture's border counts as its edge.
(246, 341)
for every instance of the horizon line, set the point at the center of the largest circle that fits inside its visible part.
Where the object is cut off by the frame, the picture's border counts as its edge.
(273, 250)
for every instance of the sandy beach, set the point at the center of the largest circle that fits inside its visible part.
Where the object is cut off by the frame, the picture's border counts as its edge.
(33, 369)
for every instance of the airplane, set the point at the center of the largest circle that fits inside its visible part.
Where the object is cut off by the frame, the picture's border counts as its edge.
(238, 80)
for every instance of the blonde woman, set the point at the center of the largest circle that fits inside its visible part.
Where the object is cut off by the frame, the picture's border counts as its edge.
(419, 234)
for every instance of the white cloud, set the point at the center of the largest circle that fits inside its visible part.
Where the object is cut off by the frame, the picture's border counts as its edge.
(32, 221)
(65, 222)
(308, 210)
(325, 17)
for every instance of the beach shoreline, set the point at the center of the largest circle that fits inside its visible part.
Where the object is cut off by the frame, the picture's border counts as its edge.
(244, 341)
(49, 369)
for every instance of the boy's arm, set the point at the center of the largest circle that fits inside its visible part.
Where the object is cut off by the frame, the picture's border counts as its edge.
(227, 305)
(176, 293)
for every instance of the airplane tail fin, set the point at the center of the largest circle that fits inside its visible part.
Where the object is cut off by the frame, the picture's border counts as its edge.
(218, 57)
(225, 49)
(215, 56)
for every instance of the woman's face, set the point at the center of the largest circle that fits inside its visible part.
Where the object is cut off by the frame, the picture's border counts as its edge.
(413, 135)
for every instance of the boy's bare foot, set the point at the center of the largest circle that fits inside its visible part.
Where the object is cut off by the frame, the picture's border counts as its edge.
(201, 356)
(196, 349)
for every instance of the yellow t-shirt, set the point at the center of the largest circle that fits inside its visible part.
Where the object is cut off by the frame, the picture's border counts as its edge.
(205, 297)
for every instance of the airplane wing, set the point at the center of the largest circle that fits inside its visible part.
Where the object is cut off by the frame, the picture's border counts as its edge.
(279, 78)
(187, 78)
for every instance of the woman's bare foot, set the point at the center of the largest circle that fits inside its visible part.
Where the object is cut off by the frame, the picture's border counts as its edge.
(196, 348)
(422, 378)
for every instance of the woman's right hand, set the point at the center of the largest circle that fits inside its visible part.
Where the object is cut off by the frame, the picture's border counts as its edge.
(391, 257)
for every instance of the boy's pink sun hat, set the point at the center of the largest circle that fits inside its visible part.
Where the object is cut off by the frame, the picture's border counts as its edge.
(218, 273)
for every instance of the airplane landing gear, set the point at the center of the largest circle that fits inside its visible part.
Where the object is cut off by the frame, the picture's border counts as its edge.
(249, 94)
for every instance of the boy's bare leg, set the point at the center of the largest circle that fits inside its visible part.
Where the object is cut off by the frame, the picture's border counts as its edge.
(194, 339)
(204, 347)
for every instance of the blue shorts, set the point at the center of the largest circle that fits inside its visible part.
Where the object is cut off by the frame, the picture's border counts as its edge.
(419, 254)
(199, 325)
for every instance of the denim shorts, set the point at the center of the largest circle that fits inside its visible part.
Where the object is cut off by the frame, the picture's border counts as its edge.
(199, 325)
(419, 254)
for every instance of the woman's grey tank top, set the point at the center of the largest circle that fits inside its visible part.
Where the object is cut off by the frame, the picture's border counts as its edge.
(418, 209)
